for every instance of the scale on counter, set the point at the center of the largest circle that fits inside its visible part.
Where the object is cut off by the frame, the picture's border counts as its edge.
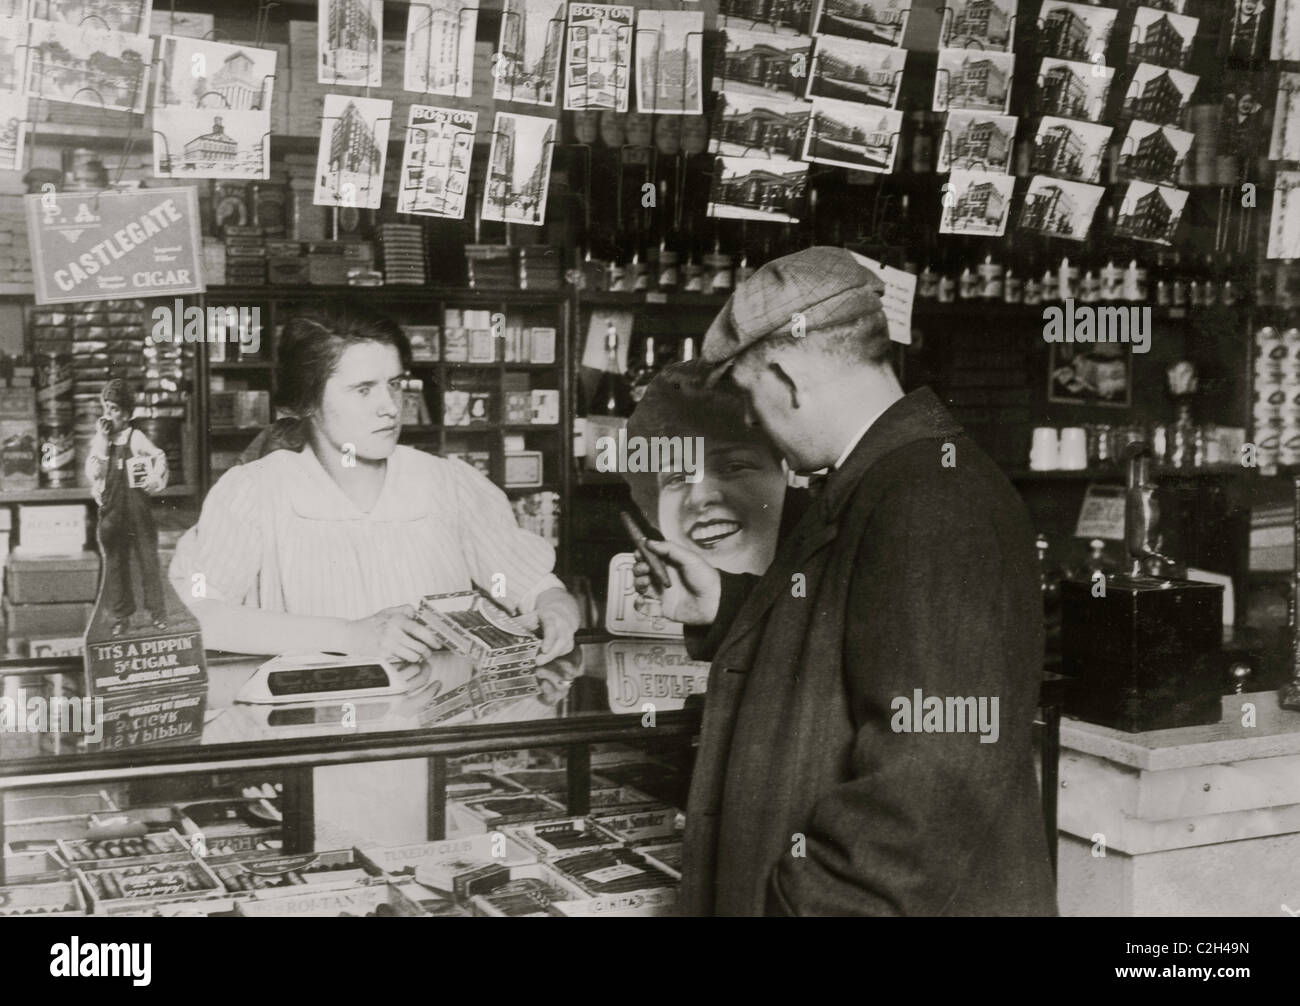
(308, 677)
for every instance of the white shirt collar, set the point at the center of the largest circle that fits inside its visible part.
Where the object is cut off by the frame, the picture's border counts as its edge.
(857, 439)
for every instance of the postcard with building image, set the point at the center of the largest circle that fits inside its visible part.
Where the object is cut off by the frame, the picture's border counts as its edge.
(130, 16)
(530, 50)
(1072, 90)
(348, 37)
(353, 146)
(519, 169)
(978, 24)
(1059, 208)
(865, 72)
(977, 141)
(1075, 31)
(977, 202)
(781, 17)
(1069, 148)
(975, 80)
(598, 66)
(436, 161)
(758, 188)
(1153, 153)
(196, 73)
(882, 21)
(1150, 212)
(669, 62)
(13, 131)
(747, 125)
(1284, 223)
(1161, 37)
(1158, 94)
(89, 66)
(850, 135)
(763, 64)
(440, 47)
(211, 143)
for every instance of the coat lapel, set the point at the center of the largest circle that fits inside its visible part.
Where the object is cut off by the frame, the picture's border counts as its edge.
(916, 416)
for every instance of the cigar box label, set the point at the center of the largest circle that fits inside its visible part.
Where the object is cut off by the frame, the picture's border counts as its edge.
(361, 899)
(639, 824)
(608, 873)
(652, 901)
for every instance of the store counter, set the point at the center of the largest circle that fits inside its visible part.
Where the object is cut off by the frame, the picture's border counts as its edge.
(1201, 820)
(619, 690)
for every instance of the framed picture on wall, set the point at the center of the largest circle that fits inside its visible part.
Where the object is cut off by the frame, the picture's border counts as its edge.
(1090, 374)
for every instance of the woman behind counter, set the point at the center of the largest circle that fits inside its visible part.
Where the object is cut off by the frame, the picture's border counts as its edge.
(327, 543)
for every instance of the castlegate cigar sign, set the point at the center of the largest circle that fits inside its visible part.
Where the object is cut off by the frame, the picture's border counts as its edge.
(112, 245)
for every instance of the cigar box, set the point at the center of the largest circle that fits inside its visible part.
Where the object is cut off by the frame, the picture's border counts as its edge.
(21, 806)
(481, 814)
(611, 797)
(232, 827)
(523, 891)
(650, 903)
(430, 903)
(1146, 656)
(473, 626)
(635, 824)
(549, 780)
(90, 854)
(437, 864)
(53, 897)
(467, 784)
(371, 900)
(173, 879)
(25, 865)
(620, 882)
(275, 875)
(562, 836)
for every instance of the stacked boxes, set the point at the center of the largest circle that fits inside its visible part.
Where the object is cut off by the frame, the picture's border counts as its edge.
(15, 254)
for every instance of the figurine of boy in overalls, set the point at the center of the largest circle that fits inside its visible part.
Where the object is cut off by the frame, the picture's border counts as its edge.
(125, 468)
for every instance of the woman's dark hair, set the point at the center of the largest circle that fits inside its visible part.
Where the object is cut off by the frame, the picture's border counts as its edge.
(309, 349)
(311, 344)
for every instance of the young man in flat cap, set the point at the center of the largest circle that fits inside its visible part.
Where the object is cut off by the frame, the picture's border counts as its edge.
(866, 745)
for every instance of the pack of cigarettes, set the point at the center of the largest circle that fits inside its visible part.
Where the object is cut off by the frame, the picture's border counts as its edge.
(562, 836)
(474, 627)
(542, 347)
(485, 688)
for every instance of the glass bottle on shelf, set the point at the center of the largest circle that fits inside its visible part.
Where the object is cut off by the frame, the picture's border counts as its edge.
(927, 284)
(992, 275)
(1067, 280)
(688, 350)
(1089, 291)
(1178, 282)
(1050, 283)
(1229, 293)
(968, 283)
(1033, 295)
(1213, 282)
(612, 396)
(947, 277)
(1013, 281)
(1164, 286)
(643, 371)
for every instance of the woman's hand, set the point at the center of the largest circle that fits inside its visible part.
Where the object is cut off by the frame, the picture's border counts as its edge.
(392, 634)
(558, 619)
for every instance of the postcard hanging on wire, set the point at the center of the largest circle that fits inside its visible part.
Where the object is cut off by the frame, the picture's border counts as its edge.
(353, 145)
(130, 16)
(761, 64)
(857, 71)
(880, 22)
(978, 24)
(440, 47)
(435, 162)
(1150, 212)
(211, 143)
(519, 169)
(669, 62)
(757, 188)
(1284, 221)
(527, 66)
(1073, 90)
(1284, 144)
(1069, 148)
(1153, 153)
(1155, 93)
(791, 17)
(971, 79)
(1161, 37)
(1060, 209)
(348, 38)
(197, 73)
(850, 135)
(13, 55)
(13, 131)
(1075, 31)
(750, 126)
(977, 141)
(976, 202)
(1285, 44)
(89, 66)
(599, 57)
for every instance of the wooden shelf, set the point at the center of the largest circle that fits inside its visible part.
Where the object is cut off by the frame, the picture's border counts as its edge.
(76, 494)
